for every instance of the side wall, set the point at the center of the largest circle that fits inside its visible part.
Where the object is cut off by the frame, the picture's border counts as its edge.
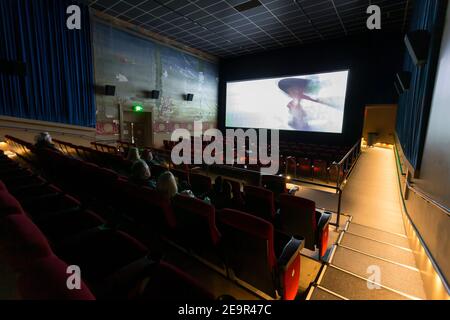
(136, 65)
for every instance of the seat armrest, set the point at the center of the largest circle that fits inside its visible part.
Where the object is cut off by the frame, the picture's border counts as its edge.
(122, 282)
(324, 219)
(323, 231)
(289, 268)
(291, 249)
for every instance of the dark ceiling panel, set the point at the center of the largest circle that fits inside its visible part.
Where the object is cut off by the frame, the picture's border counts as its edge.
(216, 27)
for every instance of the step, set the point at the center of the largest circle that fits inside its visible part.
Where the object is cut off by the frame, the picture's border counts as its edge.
(321, 294)
(380, 235)
(385, 251)
(355, 288)
(393, 276)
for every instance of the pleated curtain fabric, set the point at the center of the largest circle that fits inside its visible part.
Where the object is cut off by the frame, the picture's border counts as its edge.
(58, 85)
(415, 104)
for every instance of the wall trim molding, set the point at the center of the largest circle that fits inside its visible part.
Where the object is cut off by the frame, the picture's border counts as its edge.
(28, 125)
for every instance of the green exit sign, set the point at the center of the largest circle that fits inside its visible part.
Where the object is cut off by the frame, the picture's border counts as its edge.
(138, 108)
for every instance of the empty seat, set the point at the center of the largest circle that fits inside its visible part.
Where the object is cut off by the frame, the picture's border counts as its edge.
(47, 206)
(196, 222)
(8, 204)
(291, 167)
(101, 253)
(275, 184)
(67, 225)
(259, 202)
(166, 282)
(304, 167)
(46, 279)
(320, 169)
(21, 241)
(26, 193)
(201, 185)
(249, 245)
(299, 216)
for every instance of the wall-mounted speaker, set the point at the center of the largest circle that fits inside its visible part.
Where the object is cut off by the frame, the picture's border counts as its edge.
(110, 90)
(403, 79)
(13, 67)
(154, 94)
(189, 97)
(417, 42)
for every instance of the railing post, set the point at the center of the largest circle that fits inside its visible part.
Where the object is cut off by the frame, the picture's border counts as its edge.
(338, 218)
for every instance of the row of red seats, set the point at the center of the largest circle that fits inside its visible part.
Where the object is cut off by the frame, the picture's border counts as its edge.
(47, 231)
(192, 224)
(304, 221)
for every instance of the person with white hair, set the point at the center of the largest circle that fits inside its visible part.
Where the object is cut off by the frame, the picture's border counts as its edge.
(44, 141)
(167, 185)
(133, 154)
(141, 174)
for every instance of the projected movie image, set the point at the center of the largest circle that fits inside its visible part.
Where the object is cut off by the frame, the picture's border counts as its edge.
(312, 103)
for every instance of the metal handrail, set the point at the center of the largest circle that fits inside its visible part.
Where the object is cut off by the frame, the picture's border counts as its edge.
(358, 144)
(428, 198)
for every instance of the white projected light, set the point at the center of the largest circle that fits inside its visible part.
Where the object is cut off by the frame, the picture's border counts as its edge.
(312, 103)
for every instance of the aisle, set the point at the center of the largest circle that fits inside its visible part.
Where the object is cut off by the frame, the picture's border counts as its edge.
(374, 240)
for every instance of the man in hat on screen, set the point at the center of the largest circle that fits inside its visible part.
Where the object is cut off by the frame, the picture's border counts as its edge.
(299, 89)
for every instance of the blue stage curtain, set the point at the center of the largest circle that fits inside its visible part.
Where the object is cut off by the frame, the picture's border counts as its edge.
(414, 105)
(59, 81)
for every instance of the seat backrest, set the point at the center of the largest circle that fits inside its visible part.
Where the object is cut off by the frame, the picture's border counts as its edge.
(101, 252)
(146, 206)
(275, 184)
(64, 226)
(236, 186)
(248, 242)
(201, 185)
(166, 282)
(8, 204)
(196, 220)
(259, 202)
(21, 242)
(157, 170)
(181, 175)
(46, 279)
(298, 218)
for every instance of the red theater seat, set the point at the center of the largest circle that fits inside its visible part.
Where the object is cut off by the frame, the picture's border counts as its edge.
(299, 216)
(48, 206)
(21, 241)
(145, 206)
(275, 184)
(166, 282)
(196, 222)
(101, 252)
(67, 225)
(320, 170)
(46, 279)
(249, 246)
(8, 204)
(201, 185)
(304, 167)
(181, 175)
(259, 202)
(27, 193)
